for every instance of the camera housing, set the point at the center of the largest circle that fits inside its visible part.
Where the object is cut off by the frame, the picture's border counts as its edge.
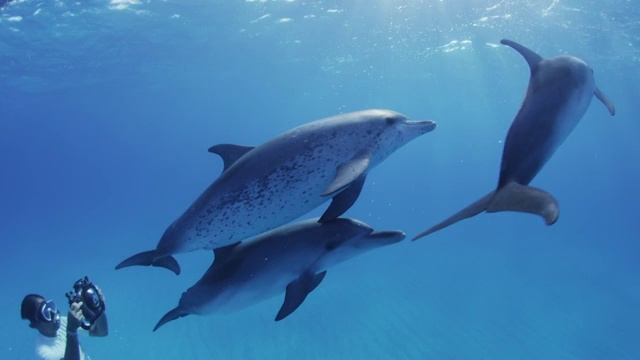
(85, 291)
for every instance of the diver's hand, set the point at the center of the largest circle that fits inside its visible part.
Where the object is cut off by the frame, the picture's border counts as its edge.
(74, 317)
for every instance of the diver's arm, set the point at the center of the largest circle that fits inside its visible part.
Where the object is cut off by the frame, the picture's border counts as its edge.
(72, 349)
(74, 318)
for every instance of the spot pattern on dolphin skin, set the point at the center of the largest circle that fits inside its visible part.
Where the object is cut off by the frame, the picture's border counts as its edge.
(260, 194)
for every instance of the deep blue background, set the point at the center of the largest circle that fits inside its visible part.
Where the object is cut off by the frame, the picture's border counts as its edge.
(107, 109)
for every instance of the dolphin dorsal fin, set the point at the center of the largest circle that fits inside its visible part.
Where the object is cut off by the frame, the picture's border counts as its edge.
(347, 173)
(530, 56)
(230, 153)
(222, 253)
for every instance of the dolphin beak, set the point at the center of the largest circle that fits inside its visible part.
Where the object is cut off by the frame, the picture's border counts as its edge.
(387, 237)
(425, 126)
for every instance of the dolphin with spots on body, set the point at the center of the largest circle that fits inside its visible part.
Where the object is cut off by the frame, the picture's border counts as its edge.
(293, 259)
(267, 186)
(559, 93)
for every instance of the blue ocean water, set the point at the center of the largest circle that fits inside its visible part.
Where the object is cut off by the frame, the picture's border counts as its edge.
(107, 109)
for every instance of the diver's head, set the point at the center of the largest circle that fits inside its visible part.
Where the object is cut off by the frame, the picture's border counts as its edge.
(43, 315)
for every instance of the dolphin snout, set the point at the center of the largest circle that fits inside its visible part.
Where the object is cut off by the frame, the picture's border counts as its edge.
(425, 126)
(389, 236)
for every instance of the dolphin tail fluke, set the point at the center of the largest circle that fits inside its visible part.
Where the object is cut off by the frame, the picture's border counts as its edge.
(528, 199)
(170, 316)
(151, 258)
(511, 197)
(471, 210)
(605, 100)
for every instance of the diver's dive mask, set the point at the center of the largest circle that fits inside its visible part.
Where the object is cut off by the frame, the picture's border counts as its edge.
(49, 311)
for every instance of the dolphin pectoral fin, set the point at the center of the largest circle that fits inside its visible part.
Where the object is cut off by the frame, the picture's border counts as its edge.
(151, 258)
(343, 201)
(471, 210)
(348, 173)
(530, 56)
(605, 100)
(297, 291)
(230, 153)
(522, 198)
(170, 316)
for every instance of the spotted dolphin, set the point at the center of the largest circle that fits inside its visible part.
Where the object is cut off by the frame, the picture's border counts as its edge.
(292, 259)
(559, 93)
(267, 186)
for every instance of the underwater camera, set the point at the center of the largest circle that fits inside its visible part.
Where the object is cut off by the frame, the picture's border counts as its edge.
(92, 306)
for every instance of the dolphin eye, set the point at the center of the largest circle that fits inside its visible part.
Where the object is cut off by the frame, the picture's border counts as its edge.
(391, 120)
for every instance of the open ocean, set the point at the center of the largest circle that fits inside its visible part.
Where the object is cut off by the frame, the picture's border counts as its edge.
(107, 109)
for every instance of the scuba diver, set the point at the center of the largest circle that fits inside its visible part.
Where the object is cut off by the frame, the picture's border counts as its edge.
(58, 334)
